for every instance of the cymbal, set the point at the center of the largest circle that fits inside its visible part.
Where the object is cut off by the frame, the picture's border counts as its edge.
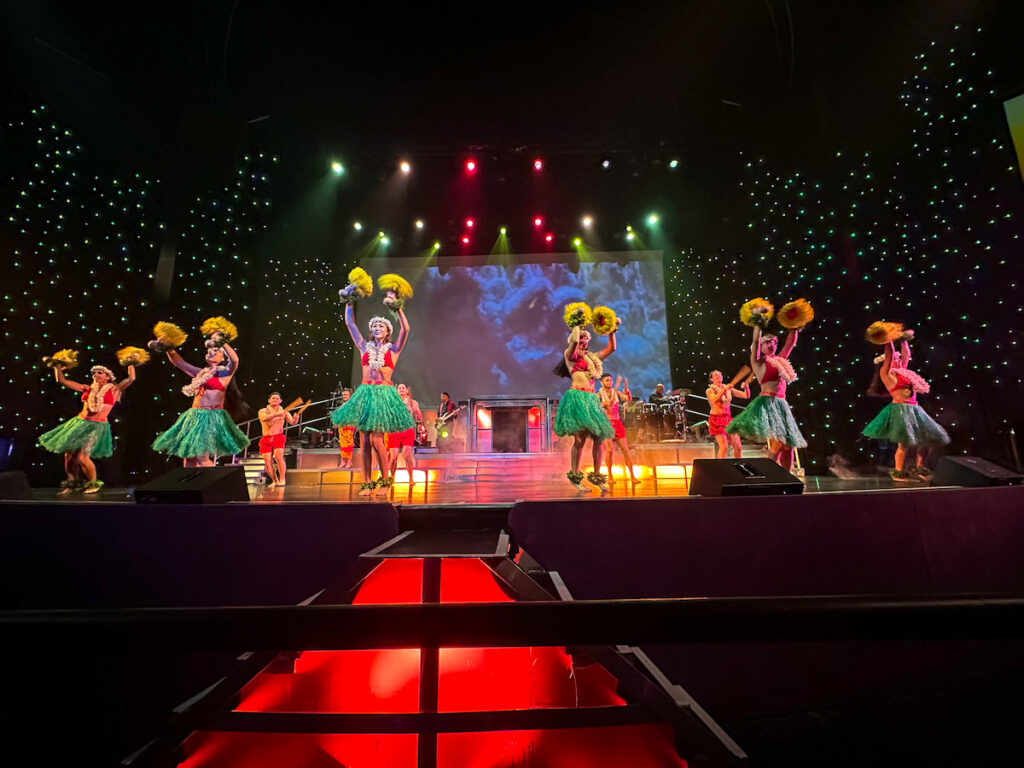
(682, 391)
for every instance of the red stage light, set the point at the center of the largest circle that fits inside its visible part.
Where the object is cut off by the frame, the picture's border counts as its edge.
(549, 237)
(470, 166)
(538, 164)
(465, 239)
(470, 223)
(538, 221)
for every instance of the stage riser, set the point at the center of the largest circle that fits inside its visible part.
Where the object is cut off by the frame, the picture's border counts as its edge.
(887, 543)
(127, 555)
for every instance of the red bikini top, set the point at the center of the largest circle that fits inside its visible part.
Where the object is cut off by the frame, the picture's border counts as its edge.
(388, 360)
(771, 373)
(579, 363)
(214, 383)
(108, 397)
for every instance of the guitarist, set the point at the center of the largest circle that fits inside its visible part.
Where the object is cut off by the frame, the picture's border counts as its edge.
(447, 413)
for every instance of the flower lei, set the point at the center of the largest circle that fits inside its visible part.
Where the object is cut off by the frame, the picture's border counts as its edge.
(916, 381)
(204, 375)
(783, 366)
(595, 368)
(96, 394)
(375, 353)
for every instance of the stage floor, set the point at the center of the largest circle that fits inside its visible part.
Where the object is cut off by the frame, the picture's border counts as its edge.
(491, 492)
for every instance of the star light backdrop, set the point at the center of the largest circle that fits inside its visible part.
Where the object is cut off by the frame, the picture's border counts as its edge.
(925, 230)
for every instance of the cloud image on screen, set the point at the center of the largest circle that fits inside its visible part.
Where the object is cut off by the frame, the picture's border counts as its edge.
(485, 330)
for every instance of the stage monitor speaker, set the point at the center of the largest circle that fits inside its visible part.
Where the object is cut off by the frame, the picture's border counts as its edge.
(14, 487)
(195, 485)
(741, 477)
(973, 472)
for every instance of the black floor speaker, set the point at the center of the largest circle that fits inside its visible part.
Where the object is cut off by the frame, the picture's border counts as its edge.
(973, 472)
(741, 477)
(14, 487)
(195, 485)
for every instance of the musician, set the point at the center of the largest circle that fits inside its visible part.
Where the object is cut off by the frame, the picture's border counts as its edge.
(658, 396)
(272, 419)
(402, 442)
(447, 409)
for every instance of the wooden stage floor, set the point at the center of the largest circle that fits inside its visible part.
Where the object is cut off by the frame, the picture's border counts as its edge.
(490, 492)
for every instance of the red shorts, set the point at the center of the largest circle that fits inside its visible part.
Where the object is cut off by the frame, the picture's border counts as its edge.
(620, 431)
(404, 439)
(270, 443)
(717, 422)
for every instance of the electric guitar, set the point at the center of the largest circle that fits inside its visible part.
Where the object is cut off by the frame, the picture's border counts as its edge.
(440, 422)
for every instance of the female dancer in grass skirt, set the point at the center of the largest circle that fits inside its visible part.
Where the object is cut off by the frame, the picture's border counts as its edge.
(580, 413)
(768, 417)
(375, 407)
(86, 436)
(903, 421)
(206, 430)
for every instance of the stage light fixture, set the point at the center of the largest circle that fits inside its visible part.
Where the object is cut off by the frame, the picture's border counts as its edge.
(437, 245)
(465, 239)
(673, 163)
(587, 221)
(577, 242)
(384, 240)
(606, 164)
(538, 221)
(630, 236)
(549, 237)
(502, 230)
(357, 226)
(419, 223)
(470, 223)
(538, 164)
(405, 167)
(337, 167)
(652, 219)
(470, 165)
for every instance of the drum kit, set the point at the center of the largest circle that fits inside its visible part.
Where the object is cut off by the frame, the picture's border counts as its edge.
(660, 422)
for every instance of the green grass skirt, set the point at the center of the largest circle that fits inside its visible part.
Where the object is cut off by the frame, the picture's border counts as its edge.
(581, 411)
(200, 431)
(906, 423)
(374, 408)
(767, 417)
(78, 434)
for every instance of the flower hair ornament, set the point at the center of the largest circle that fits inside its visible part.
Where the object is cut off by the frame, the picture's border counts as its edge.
(379, 319)
(102, 369)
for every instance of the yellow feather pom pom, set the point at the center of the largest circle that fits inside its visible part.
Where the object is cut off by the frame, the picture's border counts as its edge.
(577, 313)
(604, 320)
(882, 332)
(132, 356)
(169, 334)
(395, 283)
(362, 281)
(65, 358)
(222, 324)
(796, 314)
(747, 316)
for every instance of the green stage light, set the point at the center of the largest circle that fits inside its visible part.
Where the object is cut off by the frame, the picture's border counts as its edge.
(337, 167)
(503, 230)
(630, 236)
(357, 226)
(384, 240)
(652, 219)
(673, 163)
(577, 242)
(437, 246)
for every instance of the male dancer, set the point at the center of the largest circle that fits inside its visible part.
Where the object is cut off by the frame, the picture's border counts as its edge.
(402, 442)
(272, 419)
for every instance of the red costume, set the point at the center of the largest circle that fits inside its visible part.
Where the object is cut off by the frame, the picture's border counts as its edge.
(717, 422)
(270, 443)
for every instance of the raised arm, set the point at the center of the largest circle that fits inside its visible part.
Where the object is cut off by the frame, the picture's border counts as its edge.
(573, 348)
(353, 329)
(744, 393)
(58, 373)
(905, 352)
(790, 343)
(755, 344)
(624, 394)
(123, 385)
(403, 332)
(890, 350)
(180, 364)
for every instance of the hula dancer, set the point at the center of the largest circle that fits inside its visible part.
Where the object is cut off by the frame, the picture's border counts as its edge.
(272, 419)
(610, 396)
(205, 430)
(580, 413)
(346, 436)
(375, 408)
(87, 436)
(720, 398)
(902, 421)
(768, 417)
(403, 442)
